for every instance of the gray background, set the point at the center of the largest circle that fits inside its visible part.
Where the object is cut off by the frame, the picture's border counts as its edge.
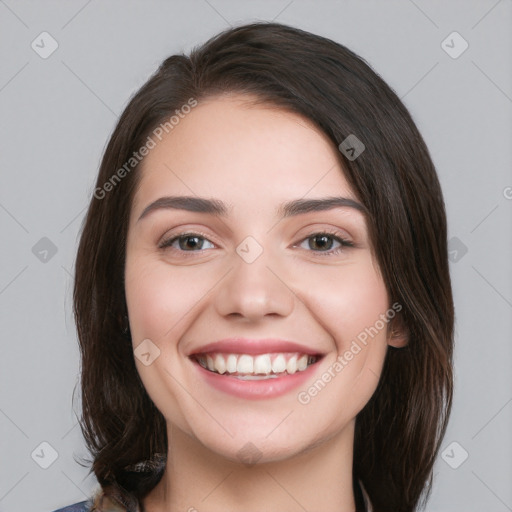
(58, 112)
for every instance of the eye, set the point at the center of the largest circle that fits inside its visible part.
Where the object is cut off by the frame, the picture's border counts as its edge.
(324, 242)
(188, 242)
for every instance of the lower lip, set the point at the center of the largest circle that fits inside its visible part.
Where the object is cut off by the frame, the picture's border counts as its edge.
(256, 389)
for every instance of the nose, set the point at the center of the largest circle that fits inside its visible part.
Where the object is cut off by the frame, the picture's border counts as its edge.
(253, 291)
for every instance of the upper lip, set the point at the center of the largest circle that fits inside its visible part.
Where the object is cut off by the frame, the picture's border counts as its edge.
(254, 347)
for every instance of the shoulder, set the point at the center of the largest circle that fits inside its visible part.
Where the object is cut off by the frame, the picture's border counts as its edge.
(82, 506)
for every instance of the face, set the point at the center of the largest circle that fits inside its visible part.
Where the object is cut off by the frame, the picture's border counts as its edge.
(247, 282)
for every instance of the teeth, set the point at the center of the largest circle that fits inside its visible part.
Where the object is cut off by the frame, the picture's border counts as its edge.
(220, 364)
(262, 364)
(245, 364)
(231, 363)
(302, 363)
(279, 364)
(257, 367)
(257, 377)
(291, 366)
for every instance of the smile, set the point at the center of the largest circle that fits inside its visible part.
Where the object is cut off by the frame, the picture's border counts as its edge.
(250, 368)
(257, 367)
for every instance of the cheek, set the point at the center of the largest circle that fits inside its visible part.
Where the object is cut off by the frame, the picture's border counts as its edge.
(145, 299)
(348, 308)
(350, 300)
(152, 298)
(159, 298)
(158, 301)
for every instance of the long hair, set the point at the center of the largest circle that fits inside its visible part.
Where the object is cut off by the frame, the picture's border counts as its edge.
(398, 433)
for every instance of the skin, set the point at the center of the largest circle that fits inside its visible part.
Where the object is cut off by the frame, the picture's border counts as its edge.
(253, 158)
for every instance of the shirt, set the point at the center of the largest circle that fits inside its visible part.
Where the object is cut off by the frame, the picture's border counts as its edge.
(96, 502)
(109, 506)
(82, 506)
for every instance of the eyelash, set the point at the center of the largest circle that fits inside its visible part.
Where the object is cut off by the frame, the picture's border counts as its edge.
(166, 244)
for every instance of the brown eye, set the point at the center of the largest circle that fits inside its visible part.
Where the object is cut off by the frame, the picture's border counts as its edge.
(321, 242)
(325, 243)
(189, 242)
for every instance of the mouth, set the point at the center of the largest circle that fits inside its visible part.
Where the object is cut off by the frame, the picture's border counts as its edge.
(252, 369)
(255, 366)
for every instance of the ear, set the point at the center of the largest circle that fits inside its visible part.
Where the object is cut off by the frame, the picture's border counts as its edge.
(398, 334)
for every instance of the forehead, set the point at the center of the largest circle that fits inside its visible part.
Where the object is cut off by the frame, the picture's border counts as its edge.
(230, 147)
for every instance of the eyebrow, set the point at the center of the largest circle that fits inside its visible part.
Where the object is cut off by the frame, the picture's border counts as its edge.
(219, 209)
(188, 203)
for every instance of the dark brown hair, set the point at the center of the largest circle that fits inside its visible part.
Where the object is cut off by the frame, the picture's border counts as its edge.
(398, 433)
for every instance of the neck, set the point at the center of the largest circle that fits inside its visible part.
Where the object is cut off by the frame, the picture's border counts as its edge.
(197, 479)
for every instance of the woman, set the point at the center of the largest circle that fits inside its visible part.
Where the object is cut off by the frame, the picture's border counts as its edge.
(262, 290)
